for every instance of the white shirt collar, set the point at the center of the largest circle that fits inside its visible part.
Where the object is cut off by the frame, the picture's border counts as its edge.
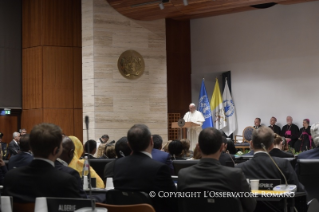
(46, 160)
(147, 153)
(15, 141)
(260, 152)
(62, 161)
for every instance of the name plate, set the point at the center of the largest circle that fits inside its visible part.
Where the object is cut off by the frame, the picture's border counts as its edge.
(268, 184)
(67, 205)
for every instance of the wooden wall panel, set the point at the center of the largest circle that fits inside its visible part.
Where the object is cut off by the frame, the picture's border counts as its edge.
(32, 78)
(178, 65)
(31, 117)
(77, 77)
(31, 23)
(61, 117)
(57, 77)
(8, 124)
(78, 124)
(59, 27)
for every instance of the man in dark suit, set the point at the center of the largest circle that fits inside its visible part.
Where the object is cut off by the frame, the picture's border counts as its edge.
(14, 147)
(62, 163)
(210, 174)
(159, 155)
(257, 123)
(40, 178)
(24, 157)
(262, 167)
(139, 172)
(122, 149)
(90, 149)
(273, 126)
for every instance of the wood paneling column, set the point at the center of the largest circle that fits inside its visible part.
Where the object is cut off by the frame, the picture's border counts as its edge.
(52, 64)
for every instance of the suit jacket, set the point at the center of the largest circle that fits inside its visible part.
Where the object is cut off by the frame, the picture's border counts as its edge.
(59, 166)
(20, 159)
(225, 157)
(39, 179)
(276, 129)
(108, 169)
(139, 172)
(262, 167)
(280, 154)
(13, 148)
(163, 157)
(211, 175)
(310, 154)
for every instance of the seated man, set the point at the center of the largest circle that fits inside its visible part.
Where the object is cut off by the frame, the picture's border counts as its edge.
(62, 162)
(139, 172)
(257, 123)
(13, 147)
(122, 149)
(24, 157)
(225, 156)
(90, 149)
(40, 178)
(159, 155)
(313, 153)
(210, 174)
(276, 149)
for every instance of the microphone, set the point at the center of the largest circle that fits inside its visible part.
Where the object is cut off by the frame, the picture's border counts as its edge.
(87, 122)
(264, 148)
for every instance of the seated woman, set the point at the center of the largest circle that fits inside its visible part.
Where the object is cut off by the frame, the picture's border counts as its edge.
(197, 154)
(186, 153)
(175, 148)
(109, 152)
(304, 141)
(278, 147)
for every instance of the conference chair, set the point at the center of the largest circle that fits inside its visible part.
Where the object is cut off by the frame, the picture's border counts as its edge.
(99, 164)
(208, 204)
(308, 175)
(292, 161)
(246, 138)
(127, 208)
(116, 197)
(180, 164)
(313, 206)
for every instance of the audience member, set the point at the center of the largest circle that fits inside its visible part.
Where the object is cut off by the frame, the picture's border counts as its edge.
(262, 167)
(251, 150)
(313, 153)
(24, 157)
(159, 155)
(122, 149)
(77, 163)
(109, 152)
(14, 147)
(209, 174)
(276, 149)
(175, 148)
(257, 123)
(197, 154)
(40, 178)
(23, 131)
(225, 156)
(273, 126)
(139, 172)
(62, 163)
(90, 149)
(186, 153)
(165, 147)
(101, 145)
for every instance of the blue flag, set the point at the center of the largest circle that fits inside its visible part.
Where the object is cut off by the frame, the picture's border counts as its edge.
(204, 107)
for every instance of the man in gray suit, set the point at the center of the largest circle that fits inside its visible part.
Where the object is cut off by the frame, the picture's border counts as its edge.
(210, 174)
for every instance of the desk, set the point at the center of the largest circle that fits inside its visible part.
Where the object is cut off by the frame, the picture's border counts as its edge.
(289, 200)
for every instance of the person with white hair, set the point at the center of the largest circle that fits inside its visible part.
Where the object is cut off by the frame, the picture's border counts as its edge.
(291, 132)
(196, 117)
(14, 147)
(313, 153)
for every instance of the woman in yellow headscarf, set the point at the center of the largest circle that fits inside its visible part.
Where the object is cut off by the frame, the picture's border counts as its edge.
(78, 163)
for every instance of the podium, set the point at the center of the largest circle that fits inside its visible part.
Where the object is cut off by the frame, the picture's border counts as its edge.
(183, 130)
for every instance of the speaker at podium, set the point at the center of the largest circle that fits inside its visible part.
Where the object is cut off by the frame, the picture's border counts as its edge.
(187, 130)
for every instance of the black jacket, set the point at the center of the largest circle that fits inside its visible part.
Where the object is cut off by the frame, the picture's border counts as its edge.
(276, 129)
(19, 160)
(280, 154)
(39, 179)
(13, 148)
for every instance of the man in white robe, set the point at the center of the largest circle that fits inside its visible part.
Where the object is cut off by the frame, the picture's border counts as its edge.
(196, 117)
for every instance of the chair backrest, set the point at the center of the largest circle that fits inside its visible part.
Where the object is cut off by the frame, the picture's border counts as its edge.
(204, 203)
(127, 208)
(25, 207)
(99, 164)
(116, 197)
(248, 134)
(308, 174)
(180, 164)
(292, 161)
(313, 206)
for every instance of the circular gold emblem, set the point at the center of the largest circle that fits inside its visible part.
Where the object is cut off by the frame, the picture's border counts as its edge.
(131, 64)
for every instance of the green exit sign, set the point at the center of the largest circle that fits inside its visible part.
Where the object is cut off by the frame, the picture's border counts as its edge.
(7, 112)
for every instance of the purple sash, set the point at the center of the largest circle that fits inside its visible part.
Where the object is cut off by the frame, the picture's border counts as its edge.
(309, 136)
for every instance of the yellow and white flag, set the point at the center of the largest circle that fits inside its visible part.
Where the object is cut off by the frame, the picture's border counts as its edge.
(217, 108)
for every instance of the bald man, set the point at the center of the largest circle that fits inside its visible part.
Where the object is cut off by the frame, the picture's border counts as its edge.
(65, 158)
(196, 117)
(290, 131)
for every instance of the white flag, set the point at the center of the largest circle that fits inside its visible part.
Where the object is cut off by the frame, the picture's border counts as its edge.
(230, 113)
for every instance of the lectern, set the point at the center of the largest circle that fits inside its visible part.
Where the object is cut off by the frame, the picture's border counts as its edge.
(180, 126)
